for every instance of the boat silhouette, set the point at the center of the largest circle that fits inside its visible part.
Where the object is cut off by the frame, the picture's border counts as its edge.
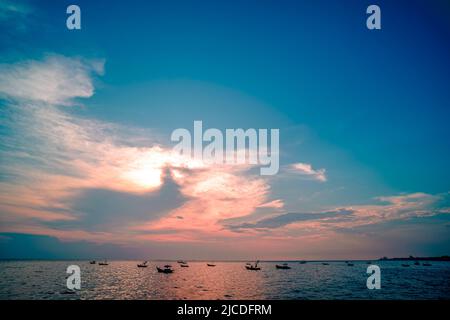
(92, 262)
(210, 265)
(143, 264)
(253, 267)
(282, 266)
(104, 263)
(166, 269)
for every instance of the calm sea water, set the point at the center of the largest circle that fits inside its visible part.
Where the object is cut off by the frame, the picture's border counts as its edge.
(228, 280)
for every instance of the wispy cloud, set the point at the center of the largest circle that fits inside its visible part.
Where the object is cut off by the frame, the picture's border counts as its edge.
(289, 218)
(13, 10)
(278, 203)
(389, 208)
(306, 170)
(17, 18)
(56, 80)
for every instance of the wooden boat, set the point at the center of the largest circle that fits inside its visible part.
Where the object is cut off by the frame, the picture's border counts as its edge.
(104, 263)
(92, 262)
(143, 264)
(164, 270)
(210, 265)
(184, 265)
(283, 266)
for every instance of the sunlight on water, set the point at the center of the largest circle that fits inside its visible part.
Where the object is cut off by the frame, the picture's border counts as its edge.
(227, 280)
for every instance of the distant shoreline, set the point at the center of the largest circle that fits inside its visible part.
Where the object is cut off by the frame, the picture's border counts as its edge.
(411, 258)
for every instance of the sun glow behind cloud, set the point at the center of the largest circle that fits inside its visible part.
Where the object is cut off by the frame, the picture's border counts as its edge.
(76, 154)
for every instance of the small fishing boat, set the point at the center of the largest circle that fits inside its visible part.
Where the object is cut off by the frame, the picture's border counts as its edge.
(181, 262)
(282, 266)
(302, 262)
(253, 267)
(143, 264)
(325, 263)
(210, 265)
(164, 270)
(426, 264)
(405, 265)
(92, 262)
(104, 263)
(369, 262)
(184, 265)
(350, 264)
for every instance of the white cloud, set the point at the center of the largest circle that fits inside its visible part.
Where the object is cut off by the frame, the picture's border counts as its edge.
(306, 170)
(55, 80)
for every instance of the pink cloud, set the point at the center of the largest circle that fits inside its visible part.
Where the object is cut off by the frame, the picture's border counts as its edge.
(64, 154)
(215, 193)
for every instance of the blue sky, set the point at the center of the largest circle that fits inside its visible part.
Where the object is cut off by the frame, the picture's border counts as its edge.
(368, 108)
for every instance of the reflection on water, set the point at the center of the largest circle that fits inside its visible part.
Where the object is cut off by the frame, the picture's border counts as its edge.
(227, 280)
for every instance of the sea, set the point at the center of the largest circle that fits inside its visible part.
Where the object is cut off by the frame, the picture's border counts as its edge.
(121, 280)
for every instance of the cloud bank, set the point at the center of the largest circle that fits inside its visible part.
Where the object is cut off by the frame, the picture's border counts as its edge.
(61, 176)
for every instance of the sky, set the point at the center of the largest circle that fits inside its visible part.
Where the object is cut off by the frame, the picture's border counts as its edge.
(86, 162)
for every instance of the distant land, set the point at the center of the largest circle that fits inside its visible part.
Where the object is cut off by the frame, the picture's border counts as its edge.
(442, 258)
